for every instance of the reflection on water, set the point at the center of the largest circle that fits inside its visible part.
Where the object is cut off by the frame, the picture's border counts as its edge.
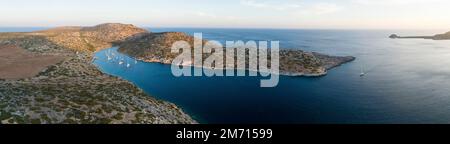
(407, 81)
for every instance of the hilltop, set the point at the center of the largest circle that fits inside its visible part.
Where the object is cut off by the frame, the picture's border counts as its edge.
(155, 47)
(91, 38)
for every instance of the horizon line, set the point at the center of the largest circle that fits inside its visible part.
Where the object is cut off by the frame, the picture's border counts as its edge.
(208, 27)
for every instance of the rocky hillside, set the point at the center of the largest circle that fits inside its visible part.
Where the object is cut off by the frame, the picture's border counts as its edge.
(91, 38)
(155, 47)
(112, 32)
(74, 90)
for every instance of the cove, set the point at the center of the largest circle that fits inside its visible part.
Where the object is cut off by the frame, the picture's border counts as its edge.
(404, 82)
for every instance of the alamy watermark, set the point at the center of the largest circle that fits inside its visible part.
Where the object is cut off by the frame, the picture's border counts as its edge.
(240, 55)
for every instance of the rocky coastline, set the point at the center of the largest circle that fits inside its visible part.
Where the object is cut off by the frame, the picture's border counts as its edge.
(155, 47)
(73, 90)
(445, 36)
(69, 89)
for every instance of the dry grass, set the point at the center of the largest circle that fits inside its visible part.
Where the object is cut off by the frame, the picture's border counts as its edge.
(17, 63)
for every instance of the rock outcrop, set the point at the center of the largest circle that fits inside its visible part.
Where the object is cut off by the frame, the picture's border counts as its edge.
(445, 36)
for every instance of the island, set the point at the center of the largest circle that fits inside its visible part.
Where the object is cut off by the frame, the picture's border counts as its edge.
(48, 77)
(445, 36)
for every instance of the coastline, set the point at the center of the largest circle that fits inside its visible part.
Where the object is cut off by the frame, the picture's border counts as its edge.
(155, 47)
(211, 68)
(444, 36)
(195, 121)
(281, 73)
(75, 91)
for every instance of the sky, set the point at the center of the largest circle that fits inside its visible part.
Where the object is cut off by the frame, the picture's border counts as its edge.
(302, 14)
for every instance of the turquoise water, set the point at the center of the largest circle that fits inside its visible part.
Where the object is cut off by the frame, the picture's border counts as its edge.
(408, 81)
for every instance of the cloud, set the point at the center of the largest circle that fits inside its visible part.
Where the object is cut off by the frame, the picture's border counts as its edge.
(214, 16)
(396, 2)
(207, 15)
(269, 5)
(320, 9)
(296, 8)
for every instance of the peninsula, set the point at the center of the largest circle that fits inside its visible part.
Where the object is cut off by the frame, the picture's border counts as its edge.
(156, 47)
(445, 36)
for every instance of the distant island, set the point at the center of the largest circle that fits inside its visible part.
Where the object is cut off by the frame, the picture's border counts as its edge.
(48, 76)
(445, 36)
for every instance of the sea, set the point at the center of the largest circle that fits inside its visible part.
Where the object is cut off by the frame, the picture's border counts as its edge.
(407, 81)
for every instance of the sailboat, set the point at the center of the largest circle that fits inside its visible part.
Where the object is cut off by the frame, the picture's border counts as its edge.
(121, 61)
(128, 64)
(108, 56)
(362, 74)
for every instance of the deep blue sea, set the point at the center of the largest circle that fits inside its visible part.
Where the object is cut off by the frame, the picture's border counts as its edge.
(21, 29)
(407, 81)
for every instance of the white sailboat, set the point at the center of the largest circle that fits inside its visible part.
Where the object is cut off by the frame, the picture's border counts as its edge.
(121, 61)
(128, 63)
(363, 73)
(108, 56)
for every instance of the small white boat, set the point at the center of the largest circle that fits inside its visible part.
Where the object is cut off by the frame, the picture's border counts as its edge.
(108, 56)
(128, 65)
(362, 74)
(120, 62)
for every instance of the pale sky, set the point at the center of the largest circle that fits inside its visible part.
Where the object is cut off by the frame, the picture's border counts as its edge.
(320, 14)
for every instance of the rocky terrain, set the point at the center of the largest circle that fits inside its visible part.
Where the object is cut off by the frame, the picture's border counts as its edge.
(155, 47)
(73, 90)
(17, 63)
(445, 36)
(48, 77)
